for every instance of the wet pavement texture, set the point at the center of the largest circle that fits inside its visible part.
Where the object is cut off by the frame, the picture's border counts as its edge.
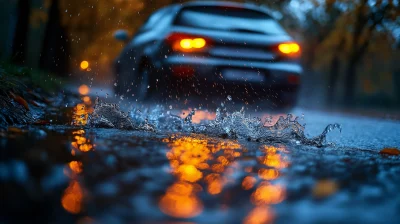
(78, 174)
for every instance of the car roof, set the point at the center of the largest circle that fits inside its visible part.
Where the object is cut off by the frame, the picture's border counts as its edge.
(223, 4)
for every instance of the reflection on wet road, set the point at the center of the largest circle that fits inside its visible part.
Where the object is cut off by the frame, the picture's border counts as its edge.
(209, 171)
(92, 175)
(130, 176)
(73, 197)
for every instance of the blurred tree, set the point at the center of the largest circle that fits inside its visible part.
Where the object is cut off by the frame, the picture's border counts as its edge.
(366, 18)
(321, 25)
(92, 23)
(54, 55)
(20, 38)
(346, 29)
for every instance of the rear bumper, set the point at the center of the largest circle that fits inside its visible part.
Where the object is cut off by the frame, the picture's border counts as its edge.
(187, 76)
(208, 67)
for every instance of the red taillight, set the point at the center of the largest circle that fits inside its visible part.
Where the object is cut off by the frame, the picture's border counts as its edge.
(294, 79)
(187, 43)
(290, 49)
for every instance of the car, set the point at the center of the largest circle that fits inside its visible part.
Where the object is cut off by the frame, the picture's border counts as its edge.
(208, 51)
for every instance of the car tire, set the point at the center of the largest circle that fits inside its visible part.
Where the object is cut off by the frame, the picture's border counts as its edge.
(140, 88)
(133, 84)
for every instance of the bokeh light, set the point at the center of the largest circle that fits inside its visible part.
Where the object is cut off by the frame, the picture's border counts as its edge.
(84, 89)
(84, 65)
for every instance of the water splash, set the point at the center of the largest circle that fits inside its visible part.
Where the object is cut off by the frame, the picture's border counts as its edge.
(226, 125)
(189, 117)
(107, 115)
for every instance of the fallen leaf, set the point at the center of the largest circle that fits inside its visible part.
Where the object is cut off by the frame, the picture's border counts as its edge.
(390, 151)
(15, 130)
(20, 100)
(324, 188)
(41, 122)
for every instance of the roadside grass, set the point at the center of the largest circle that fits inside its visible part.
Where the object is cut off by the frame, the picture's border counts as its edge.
(17, 78)
(24, 92)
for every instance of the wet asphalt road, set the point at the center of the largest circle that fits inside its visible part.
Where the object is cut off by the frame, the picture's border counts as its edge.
(74, 174)
(358, 131)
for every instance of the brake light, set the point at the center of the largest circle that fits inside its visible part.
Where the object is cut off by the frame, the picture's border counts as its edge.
(187, 43)
(291, 49)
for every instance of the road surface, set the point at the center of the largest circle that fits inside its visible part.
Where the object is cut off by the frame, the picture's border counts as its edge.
(68, 173)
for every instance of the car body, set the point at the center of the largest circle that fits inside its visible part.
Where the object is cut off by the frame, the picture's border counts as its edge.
(209, 51)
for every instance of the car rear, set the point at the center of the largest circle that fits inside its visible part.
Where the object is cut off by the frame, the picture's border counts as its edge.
(212, 51)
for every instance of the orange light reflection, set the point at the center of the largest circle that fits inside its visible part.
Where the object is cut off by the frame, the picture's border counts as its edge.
(260, 215)
(196, 161)
(75, 166)
(248, 182)
(72, 198)
(268, 174)
(81, 114)
(267, 194)
(180, 201)
(200, 115)
(193, 161)
(81, 143)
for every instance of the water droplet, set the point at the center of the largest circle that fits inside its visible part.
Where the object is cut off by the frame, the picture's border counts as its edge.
(115, 84)
(229, 97)
(170, 107)
(268, 120)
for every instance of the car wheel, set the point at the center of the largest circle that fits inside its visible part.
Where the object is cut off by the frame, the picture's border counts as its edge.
(133, 84)
(140, 90)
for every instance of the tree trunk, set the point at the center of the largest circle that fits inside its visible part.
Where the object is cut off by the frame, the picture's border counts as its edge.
(333, 77)
(20, 37)
(55, 48)
(350, 82)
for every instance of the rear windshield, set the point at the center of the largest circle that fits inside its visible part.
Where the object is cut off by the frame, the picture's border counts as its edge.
(234, 19)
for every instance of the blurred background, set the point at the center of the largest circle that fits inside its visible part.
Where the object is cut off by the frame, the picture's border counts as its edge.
(350, 48)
